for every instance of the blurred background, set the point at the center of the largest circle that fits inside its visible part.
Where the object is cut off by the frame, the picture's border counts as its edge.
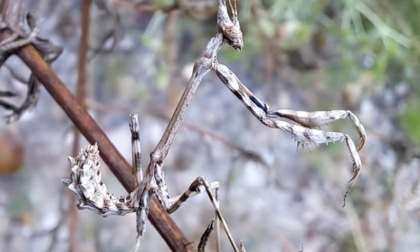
(358, 55)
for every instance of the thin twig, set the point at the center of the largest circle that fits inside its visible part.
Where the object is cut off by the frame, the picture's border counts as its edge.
(81, 97)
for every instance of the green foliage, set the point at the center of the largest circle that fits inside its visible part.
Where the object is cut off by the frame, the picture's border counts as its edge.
(112, 75)
(347, 244)
(162, 77)
(162, 3)
(410, 119)
(21, 204)
(376, 36)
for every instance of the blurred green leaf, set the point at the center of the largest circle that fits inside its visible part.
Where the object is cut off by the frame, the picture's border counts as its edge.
(410, 119)
(161, 3)
(21, 204)
(162, 77)
(266, 27)
(380, 66)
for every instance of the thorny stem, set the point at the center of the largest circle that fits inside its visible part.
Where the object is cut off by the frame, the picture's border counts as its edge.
(89, 128)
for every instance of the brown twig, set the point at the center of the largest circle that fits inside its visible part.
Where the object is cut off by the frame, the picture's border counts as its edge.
(80, 96)
(90, 129)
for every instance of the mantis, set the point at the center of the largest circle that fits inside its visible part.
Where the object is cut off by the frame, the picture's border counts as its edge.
(85, 179)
